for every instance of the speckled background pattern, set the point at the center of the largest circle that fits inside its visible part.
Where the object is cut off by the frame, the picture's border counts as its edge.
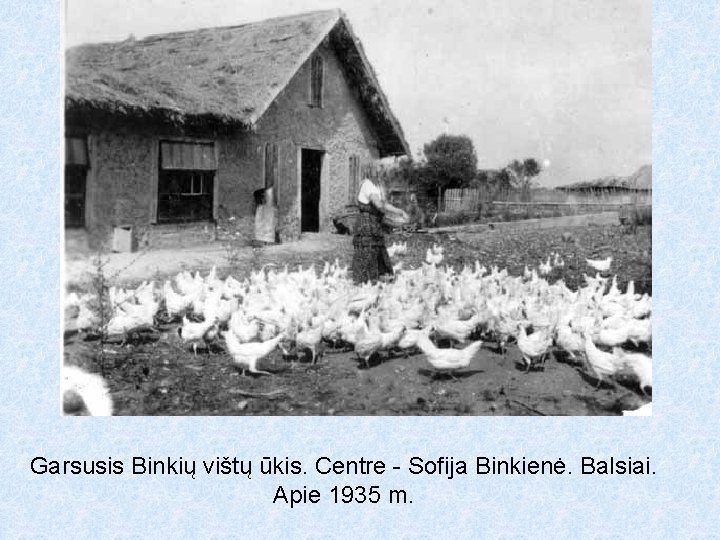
(681, 438)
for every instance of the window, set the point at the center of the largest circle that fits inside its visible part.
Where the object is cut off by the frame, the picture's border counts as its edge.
(316, 81)
(76, 168)
(185, 182)
(353, 178)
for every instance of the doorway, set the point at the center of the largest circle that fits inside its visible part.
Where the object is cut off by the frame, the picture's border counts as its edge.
(311, 171)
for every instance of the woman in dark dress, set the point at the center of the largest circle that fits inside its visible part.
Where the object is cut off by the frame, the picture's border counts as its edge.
(370, 258)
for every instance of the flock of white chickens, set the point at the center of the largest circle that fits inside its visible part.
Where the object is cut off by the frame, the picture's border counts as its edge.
(419, 310)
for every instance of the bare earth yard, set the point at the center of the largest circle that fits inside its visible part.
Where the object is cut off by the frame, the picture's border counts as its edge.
(157, 375)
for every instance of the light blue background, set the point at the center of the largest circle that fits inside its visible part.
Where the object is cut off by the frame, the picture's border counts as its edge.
(681, 439)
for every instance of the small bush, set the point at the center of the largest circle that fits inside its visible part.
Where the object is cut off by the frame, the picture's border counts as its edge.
(455, 218)
(632, 216)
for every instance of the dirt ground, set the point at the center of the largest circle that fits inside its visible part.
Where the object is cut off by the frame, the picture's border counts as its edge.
(153, 374)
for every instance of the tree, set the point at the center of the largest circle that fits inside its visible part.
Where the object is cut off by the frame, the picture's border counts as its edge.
(450, 162)
(522, 174)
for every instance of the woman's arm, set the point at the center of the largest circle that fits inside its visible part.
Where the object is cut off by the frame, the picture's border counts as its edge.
(386, 207)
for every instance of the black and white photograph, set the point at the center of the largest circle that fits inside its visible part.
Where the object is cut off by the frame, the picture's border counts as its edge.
(357, 208)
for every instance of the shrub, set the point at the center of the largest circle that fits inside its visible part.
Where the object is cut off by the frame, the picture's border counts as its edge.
(635, 215)
(455, 218)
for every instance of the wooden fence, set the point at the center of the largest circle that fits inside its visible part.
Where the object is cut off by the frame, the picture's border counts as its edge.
(461, 200)
(468, 200)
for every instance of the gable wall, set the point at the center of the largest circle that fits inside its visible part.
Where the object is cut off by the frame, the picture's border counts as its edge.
(340, 128)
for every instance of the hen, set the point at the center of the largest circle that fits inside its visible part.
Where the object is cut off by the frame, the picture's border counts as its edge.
(310, 339)
(533, 347)
(367, 343)
(434, 255)
(602, 364)
(639, 364)
(248, 355)
(447, 359)
(457, 330)
(195, 332)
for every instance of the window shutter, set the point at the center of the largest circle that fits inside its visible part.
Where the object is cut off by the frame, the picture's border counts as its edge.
(76, 152)
(353, 178)
(187, 156)
(271, 164)
(316, 80)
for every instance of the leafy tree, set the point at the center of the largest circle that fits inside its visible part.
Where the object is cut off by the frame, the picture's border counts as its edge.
(523, 173)
(450, 162)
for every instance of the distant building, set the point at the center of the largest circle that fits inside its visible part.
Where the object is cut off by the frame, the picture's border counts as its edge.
(633, 189)
(170, 133)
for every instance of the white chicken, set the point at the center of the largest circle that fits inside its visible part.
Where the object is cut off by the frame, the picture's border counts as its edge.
(247, 355)
(397, 248)
(535, 347)
(457, 330)
(367, 343)
(447, 359)
(600, 265)
(245, 330)
(194, 332)
(84, 393)
(568, 340)
(310, 339)
(602, 364)
(545, 268)
(434, 255)
(639, 364)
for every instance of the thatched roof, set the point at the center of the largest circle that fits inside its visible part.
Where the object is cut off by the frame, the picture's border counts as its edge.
(226, 76)
(641, 180)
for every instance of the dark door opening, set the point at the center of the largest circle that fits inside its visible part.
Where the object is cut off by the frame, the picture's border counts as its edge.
(311, 169)
(75, 180)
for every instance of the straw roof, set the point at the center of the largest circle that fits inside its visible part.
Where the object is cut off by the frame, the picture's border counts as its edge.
(224, 76)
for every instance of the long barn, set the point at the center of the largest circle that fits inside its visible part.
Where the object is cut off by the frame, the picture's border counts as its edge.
(169, 134)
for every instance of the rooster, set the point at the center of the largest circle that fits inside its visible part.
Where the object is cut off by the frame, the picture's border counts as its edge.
(248, 355)
(447, 359)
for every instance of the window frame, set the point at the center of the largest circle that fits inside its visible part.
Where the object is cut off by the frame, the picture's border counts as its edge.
(207, 179)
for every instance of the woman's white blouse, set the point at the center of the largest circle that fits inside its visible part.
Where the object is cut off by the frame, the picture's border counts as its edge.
(367, 189)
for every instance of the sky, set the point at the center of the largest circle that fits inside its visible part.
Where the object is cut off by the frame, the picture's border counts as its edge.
(567, 82)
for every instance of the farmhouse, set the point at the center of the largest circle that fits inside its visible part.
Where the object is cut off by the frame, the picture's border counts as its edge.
(170, 134)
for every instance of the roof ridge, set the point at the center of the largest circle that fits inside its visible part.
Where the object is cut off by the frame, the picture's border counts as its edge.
(164, 35)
